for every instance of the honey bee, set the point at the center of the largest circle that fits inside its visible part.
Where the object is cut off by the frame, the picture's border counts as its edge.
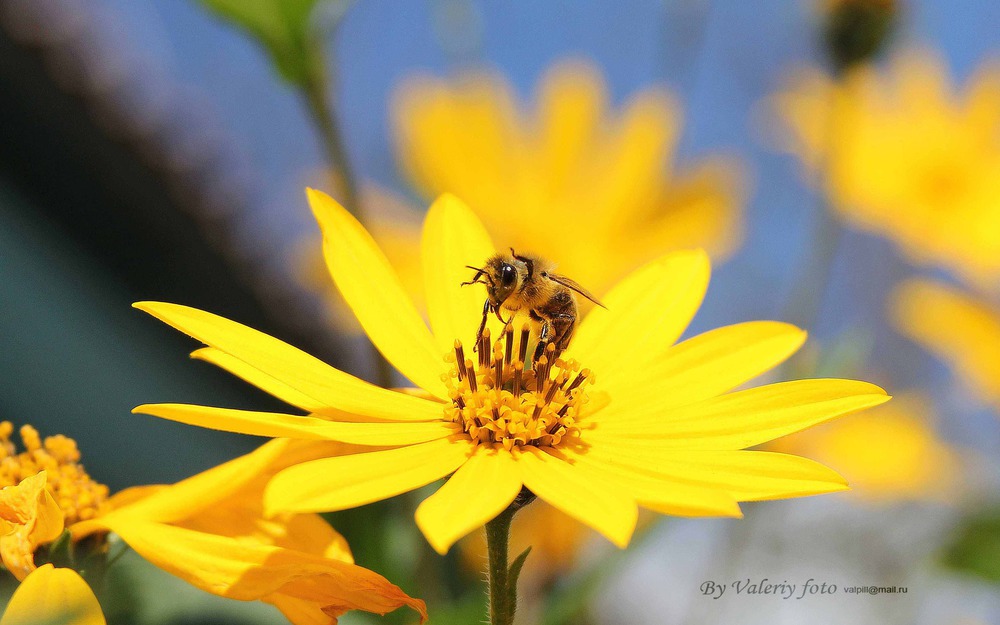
(516, 282)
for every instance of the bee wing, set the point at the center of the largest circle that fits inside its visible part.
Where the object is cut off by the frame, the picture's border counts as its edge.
(574, 285)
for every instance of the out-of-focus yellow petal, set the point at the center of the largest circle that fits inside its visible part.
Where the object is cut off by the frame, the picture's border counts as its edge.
(745, 475)
(29, 517)
(646, 312)
(905, 155)
(276, 425)
(584, 494)
(745, 418)
(663, 496)
(247, 571)
(711, 363)
(309, 376)
(571, 103)
(51, 596)
(481, 489)
(372, 290)
(348, 481)
(453, 238)
(956, 328)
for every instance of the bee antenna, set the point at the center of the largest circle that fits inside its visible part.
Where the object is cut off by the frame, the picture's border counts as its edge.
(479, 273)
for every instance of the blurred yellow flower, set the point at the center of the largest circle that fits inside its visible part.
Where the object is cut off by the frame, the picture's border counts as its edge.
(899, 154)
(955, 327)
(889, 454)
(53, 596)
(209, 530)
(572, 175)
(646, 423)
(29, 517)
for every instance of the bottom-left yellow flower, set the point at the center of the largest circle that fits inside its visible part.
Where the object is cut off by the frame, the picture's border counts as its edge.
(208, 530)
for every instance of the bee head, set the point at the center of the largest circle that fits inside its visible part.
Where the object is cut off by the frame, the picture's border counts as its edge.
(501, 274)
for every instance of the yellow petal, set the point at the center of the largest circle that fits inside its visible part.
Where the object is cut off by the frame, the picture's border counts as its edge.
(291, 367)
(746, 475)
(453, 237)
(248, 571)
(890, 454)
(710, 364)
(372, 290)
(481, 489)
(277, 425)
(51, 596)
(348, 481)
(663, 496)
(584, 494)
(745, 418)
(645, 314)
(261, 380)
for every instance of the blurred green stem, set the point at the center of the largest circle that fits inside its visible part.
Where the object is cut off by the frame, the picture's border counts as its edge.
(503, 594)
(814, 280)
(315, 88)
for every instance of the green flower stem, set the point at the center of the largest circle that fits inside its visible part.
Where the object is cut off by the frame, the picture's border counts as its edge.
(503, 593)
(315, 91)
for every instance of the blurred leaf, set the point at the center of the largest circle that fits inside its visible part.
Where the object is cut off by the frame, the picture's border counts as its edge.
(976, 546)
(286, 28)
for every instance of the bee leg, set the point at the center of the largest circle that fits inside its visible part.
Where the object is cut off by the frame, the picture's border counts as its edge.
(487, 309)
(543, 337)
(563, 325)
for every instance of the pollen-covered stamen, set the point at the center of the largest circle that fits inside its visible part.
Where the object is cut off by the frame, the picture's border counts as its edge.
(79, 497)
(507, 401)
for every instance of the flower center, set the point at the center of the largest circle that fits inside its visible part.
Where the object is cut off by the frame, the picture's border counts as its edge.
(79, 497)
(505, 400)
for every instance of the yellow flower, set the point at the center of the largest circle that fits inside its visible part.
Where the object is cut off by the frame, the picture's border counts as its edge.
(572, 174)
(889, 455)
(53, 596)
(955, 327)
(901, 155)
(29, 517)
(624, 418)
(209, 530)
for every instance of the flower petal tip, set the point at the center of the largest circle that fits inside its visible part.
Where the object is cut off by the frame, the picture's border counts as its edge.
(323, 206)
(146, 306)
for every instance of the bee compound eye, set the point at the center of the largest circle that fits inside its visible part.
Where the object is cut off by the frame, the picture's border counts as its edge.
(507, 275)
